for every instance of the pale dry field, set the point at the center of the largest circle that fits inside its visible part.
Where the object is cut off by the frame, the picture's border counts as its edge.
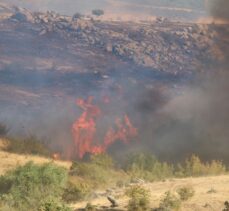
(203, 200)
(9, 161)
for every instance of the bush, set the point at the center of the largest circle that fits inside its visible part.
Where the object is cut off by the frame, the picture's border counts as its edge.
(195, 167)
(170, 202)
(148, 167)
(139, 198)
(53, 205)
(3, 130)
(102, 160)
(90, 207)
(28, 186)
(186, 193)
(97, 12)
(76, 191)
(99, 171)
(30, 145)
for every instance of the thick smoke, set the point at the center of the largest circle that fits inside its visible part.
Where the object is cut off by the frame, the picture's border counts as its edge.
(219, 9)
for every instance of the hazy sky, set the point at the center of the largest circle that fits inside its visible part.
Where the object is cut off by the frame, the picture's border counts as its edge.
(69, 7)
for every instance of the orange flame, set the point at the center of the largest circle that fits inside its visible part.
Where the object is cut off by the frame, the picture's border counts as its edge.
(84, 130)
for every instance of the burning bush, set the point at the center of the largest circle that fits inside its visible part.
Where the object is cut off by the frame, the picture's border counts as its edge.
(29, 187)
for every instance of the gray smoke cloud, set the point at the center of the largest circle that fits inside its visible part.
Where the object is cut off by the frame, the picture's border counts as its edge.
(219, 9)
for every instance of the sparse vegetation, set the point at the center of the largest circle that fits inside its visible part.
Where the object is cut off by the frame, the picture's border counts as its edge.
(186, 192)
(139, 198)
(28, 145)
(193, 166)
(90, 207)
(99, 170)
(147, 167)
(31, 187)
(76, 190)
(170, 202)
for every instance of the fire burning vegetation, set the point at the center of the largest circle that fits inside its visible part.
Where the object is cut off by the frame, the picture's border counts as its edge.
(85, 128)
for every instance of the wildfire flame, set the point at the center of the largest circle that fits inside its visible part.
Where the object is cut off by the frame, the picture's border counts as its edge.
(84, 130)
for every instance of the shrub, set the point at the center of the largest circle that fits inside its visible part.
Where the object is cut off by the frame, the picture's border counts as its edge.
(170, 202)
(28, 186)
(3, 130)
(97, 12)
(90, 207)
(186, 193)
(53, 205)
(139, 198)
(195, 167)
(102, 160)
(30, 145)
(120, 184)
(76, 191)
(148, 167)
(98, 170)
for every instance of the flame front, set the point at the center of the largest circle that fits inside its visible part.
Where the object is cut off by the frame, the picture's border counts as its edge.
(84, 130)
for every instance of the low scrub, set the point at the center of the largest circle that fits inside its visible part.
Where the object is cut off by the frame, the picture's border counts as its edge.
(186, 193)
(193, 166)
(139, 198)
(76, 190)
(29, 187)
(170, 202)
(148, 167)
(29, 145)
(99, 171)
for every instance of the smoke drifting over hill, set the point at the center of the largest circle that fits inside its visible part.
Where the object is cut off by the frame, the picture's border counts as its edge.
(149, 71)
(219, 9)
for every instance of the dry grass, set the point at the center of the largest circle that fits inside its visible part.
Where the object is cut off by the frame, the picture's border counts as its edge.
(9, 161)
(201, 201)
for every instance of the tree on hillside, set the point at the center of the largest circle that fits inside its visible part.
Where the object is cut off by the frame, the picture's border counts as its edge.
(97, 12)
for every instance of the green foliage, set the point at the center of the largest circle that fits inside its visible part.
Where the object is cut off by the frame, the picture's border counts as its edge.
(99, 170)
(102, 160)
(76, 191)
(3, 130)
(148, 167)
(186, 193)
(53, 205)
(195, 167)
(139, 198)
(28, 186)
(170, 202)
(29, 145)
(97, 12)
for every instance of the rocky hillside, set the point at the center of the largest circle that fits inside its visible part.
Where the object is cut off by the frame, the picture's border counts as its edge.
(47, 60)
